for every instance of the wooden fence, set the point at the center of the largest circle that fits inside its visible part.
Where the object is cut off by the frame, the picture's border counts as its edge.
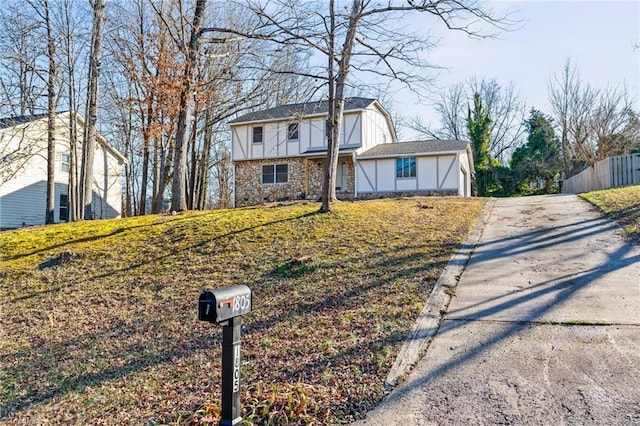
(610, 172)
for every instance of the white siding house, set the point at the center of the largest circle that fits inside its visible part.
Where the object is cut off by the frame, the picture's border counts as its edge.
(278, 154)
(23, 172)
(300, 130)
(432, 166)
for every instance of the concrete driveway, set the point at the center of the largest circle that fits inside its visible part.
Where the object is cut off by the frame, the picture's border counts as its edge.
(543, 327)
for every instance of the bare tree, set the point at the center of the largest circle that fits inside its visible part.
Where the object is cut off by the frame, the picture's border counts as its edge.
(451, 106)
(51, 110)
(594, 123)
(89, 140)
(562, 90)
(71, 27)
(179, 199)
(21, 82)
(503, 104)
(43, 12)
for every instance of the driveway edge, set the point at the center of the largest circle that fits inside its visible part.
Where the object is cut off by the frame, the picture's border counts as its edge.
(428, 322)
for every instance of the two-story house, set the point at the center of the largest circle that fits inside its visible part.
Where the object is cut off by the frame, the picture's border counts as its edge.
(278, 154)
(23, 172)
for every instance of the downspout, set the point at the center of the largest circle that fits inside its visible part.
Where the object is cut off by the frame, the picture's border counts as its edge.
(459, 167)
(355, 174)
(233, 180)
(233, 172)
(306, 178)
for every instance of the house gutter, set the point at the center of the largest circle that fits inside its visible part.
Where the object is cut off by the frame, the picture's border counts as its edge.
(407, 154)
(291, 118)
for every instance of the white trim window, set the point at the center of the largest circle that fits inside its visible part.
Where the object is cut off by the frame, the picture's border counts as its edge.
(257, 134)
(275, 173)
(65, 162)
(292, 132)
(406, 167)
(63, 212)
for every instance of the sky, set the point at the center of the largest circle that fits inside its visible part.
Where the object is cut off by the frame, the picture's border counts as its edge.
(602, 38)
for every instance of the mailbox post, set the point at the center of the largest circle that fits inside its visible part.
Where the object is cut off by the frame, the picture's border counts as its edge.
(225, 307)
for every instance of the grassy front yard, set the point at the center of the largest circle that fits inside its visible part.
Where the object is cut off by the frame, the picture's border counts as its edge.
(622, 204)
(98, 320)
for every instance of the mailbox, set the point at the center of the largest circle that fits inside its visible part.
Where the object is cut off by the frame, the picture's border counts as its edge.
(226, 306)
(223, 304)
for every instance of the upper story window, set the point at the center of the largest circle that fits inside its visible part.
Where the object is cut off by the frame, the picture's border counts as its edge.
(292, 132)
(257, 134)
(406, 167)
(65, 163)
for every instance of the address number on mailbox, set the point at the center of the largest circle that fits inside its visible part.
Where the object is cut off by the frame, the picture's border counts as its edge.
(222, 304)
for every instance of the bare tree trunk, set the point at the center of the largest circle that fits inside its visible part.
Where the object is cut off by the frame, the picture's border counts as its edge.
(89, 145)
(146, 136)
(51, 127)
(179, 200)
(203, 169)
(73, 206)
(336, 100)
(560, 90)
(192, 192)
(158, 172)
(328, 175)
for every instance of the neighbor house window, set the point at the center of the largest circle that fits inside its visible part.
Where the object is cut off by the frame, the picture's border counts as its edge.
(292, 132)
(275, 173)
(65, 163)
(406, 167)
(327, 128)
(64, 208)
(257, 134)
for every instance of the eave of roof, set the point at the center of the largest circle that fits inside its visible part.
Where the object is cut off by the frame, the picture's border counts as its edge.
(9, 122)
(426, 147)
(306, 109)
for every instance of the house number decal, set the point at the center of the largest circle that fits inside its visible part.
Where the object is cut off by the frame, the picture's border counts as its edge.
(237, 304)
(236, 369)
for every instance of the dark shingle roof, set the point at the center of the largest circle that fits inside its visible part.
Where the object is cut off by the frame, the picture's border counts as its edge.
(414, 147)
(301, 110)
(14, 121)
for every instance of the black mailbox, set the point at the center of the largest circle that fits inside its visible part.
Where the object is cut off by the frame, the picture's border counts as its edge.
(223, 304)
(226, 306)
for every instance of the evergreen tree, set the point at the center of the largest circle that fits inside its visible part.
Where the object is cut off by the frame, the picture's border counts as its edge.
(538, 163)
(479, 126)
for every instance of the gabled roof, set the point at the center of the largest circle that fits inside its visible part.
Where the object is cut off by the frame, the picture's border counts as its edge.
(301, 110)
(8, 122)
(415, 147)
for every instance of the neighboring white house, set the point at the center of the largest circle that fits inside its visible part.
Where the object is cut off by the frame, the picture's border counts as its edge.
(278, 154)
(23, 172)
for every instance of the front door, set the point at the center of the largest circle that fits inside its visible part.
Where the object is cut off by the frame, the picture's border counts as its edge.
(341, 176)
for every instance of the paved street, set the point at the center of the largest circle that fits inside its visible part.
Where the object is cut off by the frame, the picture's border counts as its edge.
(543, 328)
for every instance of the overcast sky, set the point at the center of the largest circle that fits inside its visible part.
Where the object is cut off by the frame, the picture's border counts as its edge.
(602, 38)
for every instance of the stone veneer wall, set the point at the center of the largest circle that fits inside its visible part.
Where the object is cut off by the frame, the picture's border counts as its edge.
(249, 189)
(316, 168)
